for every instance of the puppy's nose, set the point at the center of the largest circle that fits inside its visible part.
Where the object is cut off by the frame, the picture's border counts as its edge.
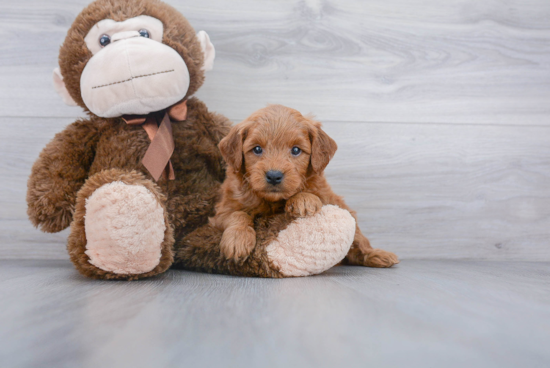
(274, 177)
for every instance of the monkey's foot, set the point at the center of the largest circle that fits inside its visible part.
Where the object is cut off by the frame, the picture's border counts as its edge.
(311, 245)
(124, 228)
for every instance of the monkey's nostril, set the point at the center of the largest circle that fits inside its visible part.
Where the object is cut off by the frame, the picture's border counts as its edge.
(274, 177)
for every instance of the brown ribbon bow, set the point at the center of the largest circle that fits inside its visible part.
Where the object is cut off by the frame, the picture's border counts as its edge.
(159, 129)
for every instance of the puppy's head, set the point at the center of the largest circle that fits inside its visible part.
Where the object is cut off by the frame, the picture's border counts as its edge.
(276, 149)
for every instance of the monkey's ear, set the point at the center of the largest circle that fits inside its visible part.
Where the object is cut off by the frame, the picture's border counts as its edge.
(61, 89)
(322, 149)
(208, 50)
(231, 148)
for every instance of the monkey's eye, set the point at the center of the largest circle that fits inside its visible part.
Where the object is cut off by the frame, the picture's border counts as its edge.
(144, 33)
(295, 151)
(257, 150)
(104, 40)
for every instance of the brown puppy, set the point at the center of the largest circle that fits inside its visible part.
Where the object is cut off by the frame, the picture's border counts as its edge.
(276, 160)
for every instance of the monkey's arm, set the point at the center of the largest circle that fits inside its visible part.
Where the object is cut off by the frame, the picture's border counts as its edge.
(215, 124)
(214, 127)
(58, 174)
(220, 127)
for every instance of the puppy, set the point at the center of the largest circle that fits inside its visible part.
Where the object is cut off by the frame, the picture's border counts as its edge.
(276, 158)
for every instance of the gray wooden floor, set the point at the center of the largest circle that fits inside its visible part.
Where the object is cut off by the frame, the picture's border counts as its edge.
(419, 314)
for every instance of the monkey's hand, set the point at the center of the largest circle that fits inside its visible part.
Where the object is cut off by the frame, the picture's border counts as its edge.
(58, 174)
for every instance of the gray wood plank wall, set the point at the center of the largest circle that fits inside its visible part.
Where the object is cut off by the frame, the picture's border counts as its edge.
(440, 108)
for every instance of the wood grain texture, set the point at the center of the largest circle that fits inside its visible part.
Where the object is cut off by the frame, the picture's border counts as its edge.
(459, 61)
(419, 314)
(421, 190)
(447, 191)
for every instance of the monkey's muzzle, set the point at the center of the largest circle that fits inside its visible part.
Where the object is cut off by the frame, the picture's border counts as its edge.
(135, 75)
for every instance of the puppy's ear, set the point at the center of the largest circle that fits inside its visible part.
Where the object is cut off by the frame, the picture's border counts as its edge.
(322, 149)
(231, 148)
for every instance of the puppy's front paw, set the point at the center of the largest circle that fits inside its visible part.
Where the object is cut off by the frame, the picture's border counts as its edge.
(237, 242)
(303, 205)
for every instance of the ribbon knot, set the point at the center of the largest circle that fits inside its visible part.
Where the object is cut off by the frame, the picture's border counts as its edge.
(159, 130)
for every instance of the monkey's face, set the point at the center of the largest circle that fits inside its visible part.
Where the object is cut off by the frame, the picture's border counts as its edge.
(131, 66)
(131, 71)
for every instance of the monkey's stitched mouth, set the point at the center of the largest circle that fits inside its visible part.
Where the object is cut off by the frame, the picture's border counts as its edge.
(136, 77)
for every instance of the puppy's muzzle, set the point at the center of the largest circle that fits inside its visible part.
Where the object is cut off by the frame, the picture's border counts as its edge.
(274, 177)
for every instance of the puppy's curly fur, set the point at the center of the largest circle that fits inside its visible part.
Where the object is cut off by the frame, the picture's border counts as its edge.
(279, 139)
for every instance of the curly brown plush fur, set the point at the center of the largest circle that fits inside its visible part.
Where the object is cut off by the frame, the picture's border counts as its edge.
(105, 150)
(96, 151)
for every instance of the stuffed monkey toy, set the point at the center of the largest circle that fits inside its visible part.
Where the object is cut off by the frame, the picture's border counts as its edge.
(139, 177)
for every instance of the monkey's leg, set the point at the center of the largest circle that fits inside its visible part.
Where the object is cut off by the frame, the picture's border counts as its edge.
(285, 246)
(120, 228)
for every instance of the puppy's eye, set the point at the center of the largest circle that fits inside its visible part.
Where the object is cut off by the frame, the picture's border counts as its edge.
(104, 40)
(295, 151)
(257, 150)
